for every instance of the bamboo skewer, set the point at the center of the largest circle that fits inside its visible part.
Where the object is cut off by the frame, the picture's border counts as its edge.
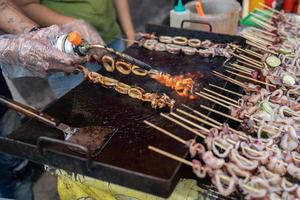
(246, 69)
(165, 132)
(247, 60)
(185, 126)
(251, 79)
(189, 122)
(248, 64)
(251, 59)
(164, 153)
(222, 114)
(263, 48)
(239, 70)
(203, 96)
(255, 39)
(218, 99)
(226, 90)
(269, 8)
(222, 96)
(263, 24)
(264, 12)
(261, 36)
(262, 31)
(216, 125)
(228, 79)
(266, 20)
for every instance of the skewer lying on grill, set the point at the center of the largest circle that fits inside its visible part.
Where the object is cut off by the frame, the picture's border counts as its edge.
(157, 101)
(233, 168)
(182, 84)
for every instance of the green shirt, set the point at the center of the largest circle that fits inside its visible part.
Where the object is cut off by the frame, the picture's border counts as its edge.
(99, 13)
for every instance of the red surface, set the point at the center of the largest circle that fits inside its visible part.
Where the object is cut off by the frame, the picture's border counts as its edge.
(269, 3)
(289, 5)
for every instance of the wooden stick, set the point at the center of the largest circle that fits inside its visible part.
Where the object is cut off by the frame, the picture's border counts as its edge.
(189, 122)
(248, 64)
(185, 126)
(266, 20)
(261, 36)
(252, 79)
(199, 119)
(269, 8)
(263, 24)
(221, 100)
(212, 100)
(247, 60)
(246, 69)
(256, 39)
(220, 113)
(226, 90)
(262, 31)
(228, 79)
(169, 155)
(265, 13)
(251, 60)
(263, 48)
(238, 70)
(165, 132)
(222, 96)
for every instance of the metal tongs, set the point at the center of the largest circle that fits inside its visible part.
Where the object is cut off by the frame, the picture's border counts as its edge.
(93, 138)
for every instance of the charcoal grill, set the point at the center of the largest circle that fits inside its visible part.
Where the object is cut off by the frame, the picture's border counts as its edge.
(125, 160)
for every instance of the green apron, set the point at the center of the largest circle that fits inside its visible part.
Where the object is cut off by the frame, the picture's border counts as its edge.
(99, 13)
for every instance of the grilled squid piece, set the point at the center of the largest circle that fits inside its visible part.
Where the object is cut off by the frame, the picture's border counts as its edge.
(189, 51)
(195, 148)
(198, 169)
(173, 48)
(108, 82)
(165, 39)
(136, 92)
(255, 188)
(288, 143)
(138, 71)
(160, 47)
(250, 153)
(237, 173)
(241, 161)
(195, 43)
(108, 63)
(150, 44)
(206, 44)
(220, 180)
(211, 161)
(122, 88)
(273, 179)
(94, 77)
(287, 196)
(287, 186)
(276, 165)
(179, 40)
(217, 147)
(123, 67)
(293, 170)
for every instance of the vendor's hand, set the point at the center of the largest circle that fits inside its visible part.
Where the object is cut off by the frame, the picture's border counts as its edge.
(36, 52)
(88, 33)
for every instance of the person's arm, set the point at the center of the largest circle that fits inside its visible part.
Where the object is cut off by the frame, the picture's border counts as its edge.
(12, 19)
(124, 18)
(41, 14)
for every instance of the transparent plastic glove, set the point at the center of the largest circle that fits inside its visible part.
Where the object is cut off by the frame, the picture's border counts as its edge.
(34, 54)
(88, 33)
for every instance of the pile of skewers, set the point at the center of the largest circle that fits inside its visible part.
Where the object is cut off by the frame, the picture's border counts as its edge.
(261, 159)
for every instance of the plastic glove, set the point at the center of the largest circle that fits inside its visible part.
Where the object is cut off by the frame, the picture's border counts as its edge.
(88, 33)
(34, 54)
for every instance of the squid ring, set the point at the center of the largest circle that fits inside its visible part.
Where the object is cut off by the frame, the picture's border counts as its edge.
(153, 73)
(94, 77)
(173, 48)
(136, 93)
(108, 63)
(108, 82)
(123, 67)
(138, 71)
(196, 43)
(189, 51)
(122, 88)
(165, 39)
(183, 41)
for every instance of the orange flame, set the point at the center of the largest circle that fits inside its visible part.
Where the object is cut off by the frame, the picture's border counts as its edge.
(182, 84)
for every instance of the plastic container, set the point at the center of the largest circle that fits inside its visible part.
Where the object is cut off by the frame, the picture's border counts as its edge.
(178, 14)
(67, 43)
(223, 15)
